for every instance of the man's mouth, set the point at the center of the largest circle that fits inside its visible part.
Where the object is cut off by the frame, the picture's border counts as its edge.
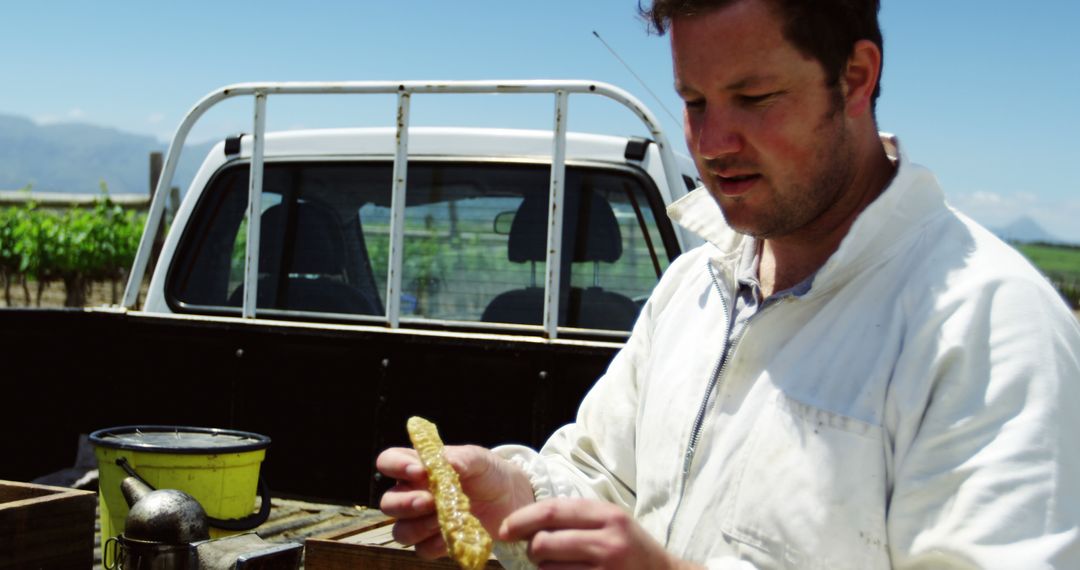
(736, 185)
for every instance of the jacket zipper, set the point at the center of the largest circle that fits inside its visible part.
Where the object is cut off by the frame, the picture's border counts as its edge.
(699, 420)
(718, 372)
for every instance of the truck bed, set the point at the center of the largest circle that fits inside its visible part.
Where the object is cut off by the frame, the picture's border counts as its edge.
(330, 397)
(293, 520)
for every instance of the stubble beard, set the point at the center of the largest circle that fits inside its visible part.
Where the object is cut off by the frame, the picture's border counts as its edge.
(800, 203)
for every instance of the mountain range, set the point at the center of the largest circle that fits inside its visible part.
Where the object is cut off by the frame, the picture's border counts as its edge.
(75, 157)
(1025, 230)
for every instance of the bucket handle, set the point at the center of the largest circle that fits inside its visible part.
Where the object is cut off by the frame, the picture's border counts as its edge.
(241, 524)
(111, 562)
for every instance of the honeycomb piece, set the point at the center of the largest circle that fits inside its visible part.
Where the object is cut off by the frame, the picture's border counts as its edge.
(466, 540)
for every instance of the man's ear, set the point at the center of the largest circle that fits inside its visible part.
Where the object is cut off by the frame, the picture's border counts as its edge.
(860, 77)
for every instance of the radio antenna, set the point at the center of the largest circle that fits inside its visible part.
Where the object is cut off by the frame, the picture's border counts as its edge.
(639, 80)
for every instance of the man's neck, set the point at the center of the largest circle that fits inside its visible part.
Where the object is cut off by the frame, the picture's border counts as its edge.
(788, 260)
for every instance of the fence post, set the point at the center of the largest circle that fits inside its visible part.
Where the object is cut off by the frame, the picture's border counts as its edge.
(157, 162)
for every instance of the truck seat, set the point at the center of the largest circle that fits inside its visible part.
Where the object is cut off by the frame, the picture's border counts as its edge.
(315, 277)
(590, 233)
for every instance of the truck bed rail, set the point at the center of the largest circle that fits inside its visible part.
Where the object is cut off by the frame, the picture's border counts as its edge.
(561, 89)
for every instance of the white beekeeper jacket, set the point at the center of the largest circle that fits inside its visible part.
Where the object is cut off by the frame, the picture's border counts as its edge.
(916, 409)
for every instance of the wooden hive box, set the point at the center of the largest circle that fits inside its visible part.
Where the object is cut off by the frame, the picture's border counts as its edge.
(45, 527)
(369, 545)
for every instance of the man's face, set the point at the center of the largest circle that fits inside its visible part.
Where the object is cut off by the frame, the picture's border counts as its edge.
(768, 135)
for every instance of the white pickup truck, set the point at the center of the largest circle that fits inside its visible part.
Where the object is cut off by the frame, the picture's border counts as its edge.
(321, 286)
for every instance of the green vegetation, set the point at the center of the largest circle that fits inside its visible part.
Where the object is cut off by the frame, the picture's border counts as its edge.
(76, 246)
(1060, 264)
(453, 271)
(79, 246)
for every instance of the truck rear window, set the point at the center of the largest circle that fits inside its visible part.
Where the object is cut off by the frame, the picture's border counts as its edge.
(475, 242)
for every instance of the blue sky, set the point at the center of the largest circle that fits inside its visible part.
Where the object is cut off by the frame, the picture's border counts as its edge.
(986, 93)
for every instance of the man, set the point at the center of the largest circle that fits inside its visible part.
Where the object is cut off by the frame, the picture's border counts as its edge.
(848, 375)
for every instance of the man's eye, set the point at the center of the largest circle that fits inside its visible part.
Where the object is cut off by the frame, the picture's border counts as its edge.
(756, 99)
(694, 104)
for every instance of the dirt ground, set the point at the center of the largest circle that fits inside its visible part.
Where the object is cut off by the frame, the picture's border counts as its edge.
(101, 293)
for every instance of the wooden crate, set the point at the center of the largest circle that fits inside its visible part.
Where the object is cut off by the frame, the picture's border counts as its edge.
(45, 527)
(369, 545)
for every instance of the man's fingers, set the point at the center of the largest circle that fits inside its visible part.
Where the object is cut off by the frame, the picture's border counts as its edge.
(565, 546)
(567, 533)
(552, 515)
(410, 502)
(409, 497)
(406, 502)
(401, 463)
(415, 530)
(431, 548)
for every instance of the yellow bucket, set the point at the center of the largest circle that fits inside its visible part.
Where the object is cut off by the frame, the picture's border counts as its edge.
(219, 468)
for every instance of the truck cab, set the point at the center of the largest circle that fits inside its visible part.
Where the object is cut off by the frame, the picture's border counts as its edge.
(476, 220)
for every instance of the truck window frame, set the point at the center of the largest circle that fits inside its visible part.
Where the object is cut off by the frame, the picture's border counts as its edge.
(198, 224)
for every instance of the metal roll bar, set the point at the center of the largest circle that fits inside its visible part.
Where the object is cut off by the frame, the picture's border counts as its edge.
(404, 90)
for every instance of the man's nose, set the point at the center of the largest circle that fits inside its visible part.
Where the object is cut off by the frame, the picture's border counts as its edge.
(719, 133)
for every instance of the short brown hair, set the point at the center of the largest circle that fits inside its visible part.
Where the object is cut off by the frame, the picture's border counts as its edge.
(825, 30)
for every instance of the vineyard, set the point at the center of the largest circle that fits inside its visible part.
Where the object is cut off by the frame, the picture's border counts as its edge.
(77, 248)
(80, 256)
(1060, 264)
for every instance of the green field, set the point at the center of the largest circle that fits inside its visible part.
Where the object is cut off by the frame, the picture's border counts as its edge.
(1060, 263)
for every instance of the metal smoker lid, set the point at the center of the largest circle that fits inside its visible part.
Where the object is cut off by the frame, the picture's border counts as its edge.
(179, 439)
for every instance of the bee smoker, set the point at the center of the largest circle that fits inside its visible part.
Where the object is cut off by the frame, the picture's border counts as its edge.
(168, 529)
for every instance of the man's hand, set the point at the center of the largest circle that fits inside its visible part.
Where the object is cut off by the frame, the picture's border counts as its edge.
(582, 533)
(495, 488)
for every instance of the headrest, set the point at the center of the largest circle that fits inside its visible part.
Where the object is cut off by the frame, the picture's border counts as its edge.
(597, 236)
(318, 242)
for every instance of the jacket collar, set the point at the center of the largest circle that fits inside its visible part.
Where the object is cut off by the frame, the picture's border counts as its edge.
(907, 204)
